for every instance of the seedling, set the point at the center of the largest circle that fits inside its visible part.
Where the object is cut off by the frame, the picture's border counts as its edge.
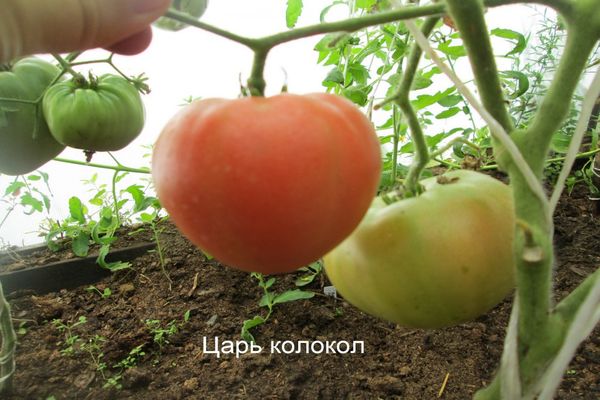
(71, 340)
(269, 300)
(105, 294)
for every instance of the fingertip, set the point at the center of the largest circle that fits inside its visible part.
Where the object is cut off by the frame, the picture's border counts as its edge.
(134, 44)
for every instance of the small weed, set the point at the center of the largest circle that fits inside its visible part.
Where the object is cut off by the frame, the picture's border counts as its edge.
(269, 300)
(71, 340)
(160, 333)
(105, 294)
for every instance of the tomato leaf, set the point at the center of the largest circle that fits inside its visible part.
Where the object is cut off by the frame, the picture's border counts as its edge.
(448, 113)
(293, 12)
(522, 83)
(14, 187)
(292, 295)
(517, 38)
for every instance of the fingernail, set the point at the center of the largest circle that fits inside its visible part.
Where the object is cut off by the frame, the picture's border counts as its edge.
(147, 6)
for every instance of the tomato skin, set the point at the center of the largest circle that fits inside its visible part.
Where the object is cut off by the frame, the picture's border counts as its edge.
(105, 115)
(267, 184)
(433, 261)
(25, 141)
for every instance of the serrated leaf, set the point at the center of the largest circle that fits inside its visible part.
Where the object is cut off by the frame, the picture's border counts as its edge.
(292, 295)
(334, 76)
(357, 94)
(365, 4)
(28, 200)
(359, 73)
(14, 188)
(293, 12)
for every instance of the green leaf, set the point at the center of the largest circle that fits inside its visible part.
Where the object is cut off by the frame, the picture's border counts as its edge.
(522, 83)
(421, 82)
(357, 94)
(452, 51)
(269, 283)
(450, 101)
(28, 200)
(517, 38)
(359, 73)
(81, 244)
(113, 266)
(293, 12)
(76, 210)
(266, 300)
(292, 295)
(14, 187)
(365, 4)
(448, 113)
(334, 76)
(249, 324)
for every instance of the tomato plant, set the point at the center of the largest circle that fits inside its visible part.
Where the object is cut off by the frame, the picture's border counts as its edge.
(99, 114)
(267, 184)
(25, 141)
(436, 260)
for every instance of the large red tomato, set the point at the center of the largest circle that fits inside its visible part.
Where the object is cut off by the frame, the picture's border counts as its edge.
(267, 184)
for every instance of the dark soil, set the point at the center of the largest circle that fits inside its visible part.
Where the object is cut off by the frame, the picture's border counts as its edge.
(397, 363)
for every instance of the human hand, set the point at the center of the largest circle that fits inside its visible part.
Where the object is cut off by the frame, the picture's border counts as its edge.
(47, 26)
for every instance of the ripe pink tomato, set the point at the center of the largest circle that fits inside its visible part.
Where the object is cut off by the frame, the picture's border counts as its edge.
(267, 184)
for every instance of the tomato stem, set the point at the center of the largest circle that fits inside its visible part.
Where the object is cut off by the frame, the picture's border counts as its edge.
(66, 66)
(421, 157)
(104, 166)
(256, 82)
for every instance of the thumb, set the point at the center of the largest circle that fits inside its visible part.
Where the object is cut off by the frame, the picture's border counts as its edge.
(33, 26)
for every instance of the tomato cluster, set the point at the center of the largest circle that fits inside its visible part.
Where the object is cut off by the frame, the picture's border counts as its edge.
(99, 114)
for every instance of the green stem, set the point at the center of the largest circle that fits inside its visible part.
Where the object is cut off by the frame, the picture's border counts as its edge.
(549, 160)
(421, 154)
(556, 102)
(396, 144)
(9, 344)
(121, 168)
(256, 82)
(67, 67)
(468, 15)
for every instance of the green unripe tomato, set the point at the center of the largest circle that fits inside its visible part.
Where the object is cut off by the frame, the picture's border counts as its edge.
(102, 114)
(194, 8)
(25, 141)
(431, 261)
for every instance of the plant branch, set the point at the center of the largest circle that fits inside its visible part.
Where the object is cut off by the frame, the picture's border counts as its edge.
(421, 157)
(104, 166)
(468, 15)
(495, 128)
(9, 344)
(587, 107)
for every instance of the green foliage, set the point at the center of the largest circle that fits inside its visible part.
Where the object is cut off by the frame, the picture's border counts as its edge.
(162, 332)
(293, 12)
(269, 300)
